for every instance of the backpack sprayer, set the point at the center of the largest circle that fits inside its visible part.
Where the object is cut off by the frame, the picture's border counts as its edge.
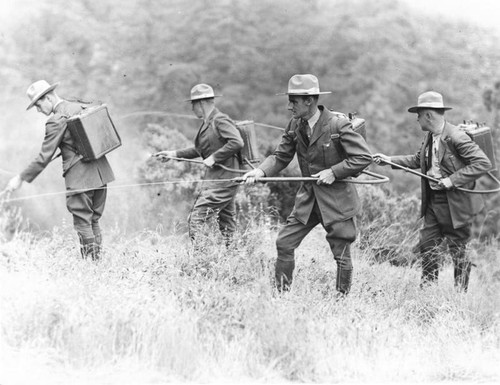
(481, 135)
(93, 132)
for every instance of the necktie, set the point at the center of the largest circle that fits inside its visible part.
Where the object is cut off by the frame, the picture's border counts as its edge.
(429, 154)
(305, 130)
(308, 129)
(435, 150)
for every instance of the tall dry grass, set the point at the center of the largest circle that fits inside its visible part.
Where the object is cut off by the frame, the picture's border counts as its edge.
(153, 311)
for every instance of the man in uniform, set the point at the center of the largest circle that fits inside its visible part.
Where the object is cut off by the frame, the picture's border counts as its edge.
(85, 181)
(449, 155)
(217, 142)
(328, 148)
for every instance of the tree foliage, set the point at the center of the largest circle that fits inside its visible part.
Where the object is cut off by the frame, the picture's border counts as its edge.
(144, 55)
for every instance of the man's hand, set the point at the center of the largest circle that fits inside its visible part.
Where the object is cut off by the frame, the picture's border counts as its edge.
(381, 159)
(13, 184)
(165, 156)
(209, 162)
(325, 176)
(445, 184)
(253, 176)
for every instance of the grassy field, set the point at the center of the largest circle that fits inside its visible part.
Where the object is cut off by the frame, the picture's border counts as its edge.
(153, 312)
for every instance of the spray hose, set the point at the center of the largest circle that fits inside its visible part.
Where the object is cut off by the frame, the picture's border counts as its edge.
(5, 196)
(411, 171)
(378, 178)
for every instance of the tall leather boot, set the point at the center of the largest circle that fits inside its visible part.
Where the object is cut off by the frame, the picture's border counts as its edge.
(284, 274)
(344, 280)
(88, 248)
(98, 246)
(461, 273)
(430, 269)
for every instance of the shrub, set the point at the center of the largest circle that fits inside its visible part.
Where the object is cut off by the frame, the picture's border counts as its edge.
(11, 221)
(171, 199)
(388, 224)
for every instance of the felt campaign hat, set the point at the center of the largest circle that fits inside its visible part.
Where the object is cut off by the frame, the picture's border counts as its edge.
(429, 99)
(37, 90)
(202, 91)
(305, 84)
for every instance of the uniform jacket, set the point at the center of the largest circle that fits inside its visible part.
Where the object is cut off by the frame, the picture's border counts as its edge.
(462, 161)
(77, 174)
(334, 144)
(218, 136)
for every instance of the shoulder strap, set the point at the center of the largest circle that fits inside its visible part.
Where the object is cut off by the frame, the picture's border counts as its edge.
(84, 105)
(449, 143)
(335, 128)
(335, 135)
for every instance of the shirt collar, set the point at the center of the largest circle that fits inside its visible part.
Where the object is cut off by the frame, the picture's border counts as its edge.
(57, 104)
(209, 116)
(314, 119)
(438, 134)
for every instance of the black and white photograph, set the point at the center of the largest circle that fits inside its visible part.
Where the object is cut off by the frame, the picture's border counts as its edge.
(249, 192)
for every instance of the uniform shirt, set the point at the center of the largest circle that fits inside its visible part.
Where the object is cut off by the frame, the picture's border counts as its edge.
(435, 169)
(312, 122)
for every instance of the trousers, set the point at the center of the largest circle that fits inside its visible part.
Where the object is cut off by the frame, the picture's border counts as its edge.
(339, 235)
(87, 208)
(437, 227)
(214, 203)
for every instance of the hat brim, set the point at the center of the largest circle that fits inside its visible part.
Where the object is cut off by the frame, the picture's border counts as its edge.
(203, 97)
(303, 93)
(41, 94)
(415, 109)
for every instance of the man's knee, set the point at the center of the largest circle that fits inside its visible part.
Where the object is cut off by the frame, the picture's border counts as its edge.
(85, 233)
(83, 227)
(200, 215)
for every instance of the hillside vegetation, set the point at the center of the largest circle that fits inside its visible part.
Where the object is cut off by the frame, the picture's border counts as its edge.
(152, 311)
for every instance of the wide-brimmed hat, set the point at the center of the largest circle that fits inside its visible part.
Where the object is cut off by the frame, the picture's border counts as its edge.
(304, 85)
(202, 91)
(429, 99)
(37, 90)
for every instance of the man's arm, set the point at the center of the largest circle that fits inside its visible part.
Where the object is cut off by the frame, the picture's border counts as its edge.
(283, 154)
(188, 153)
(409, 161)
(54, 131)
(277, 161)
(234, 142)
(476, 161)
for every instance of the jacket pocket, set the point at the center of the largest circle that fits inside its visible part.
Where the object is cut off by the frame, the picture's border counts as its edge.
(331, 153)
(455, 163)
